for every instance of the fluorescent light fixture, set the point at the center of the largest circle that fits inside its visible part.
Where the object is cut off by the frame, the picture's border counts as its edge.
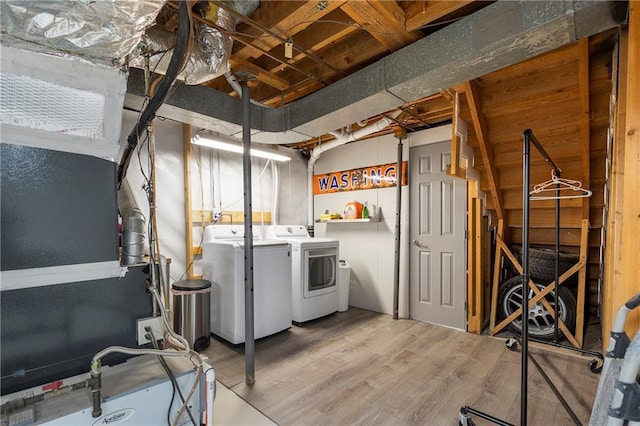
(229, 144)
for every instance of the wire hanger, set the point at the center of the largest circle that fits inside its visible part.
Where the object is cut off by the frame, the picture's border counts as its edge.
(556, 186)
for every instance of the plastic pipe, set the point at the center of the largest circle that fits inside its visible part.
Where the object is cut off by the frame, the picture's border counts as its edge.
(210, 392)
(340, 139)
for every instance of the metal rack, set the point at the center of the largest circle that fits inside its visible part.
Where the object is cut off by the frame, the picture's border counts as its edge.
(527, 139)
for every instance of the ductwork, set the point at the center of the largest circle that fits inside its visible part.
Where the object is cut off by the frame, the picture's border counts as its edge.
(340, 139)
(209, 56)
(103, 30)
(499, 35)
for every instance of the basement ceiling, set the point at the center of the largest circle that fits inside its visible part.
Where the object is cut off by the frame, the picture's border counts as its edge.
(352, 46)
(330, 41)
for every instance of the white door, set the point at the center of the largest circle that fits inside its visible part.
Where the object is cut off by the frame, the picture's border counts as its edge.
(437, 235)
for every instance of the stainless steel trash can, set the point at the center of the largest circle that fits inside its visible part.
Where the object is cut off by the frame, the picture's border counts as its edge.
(191, 311)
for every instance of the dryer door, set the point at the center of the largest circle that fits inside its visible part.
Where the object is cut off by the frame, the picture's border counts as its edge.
(320, 269)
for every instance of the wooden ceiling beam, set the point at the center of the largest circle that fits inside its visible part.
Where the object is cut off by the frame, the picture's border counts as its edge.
(285, 18)
(384, 20)
(421, 13)
(341, 54)
(486, 150)
(314, 41)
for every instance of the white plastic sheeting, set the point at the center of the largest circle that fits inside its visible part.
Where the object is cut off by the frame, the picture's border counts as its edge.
(220, 186)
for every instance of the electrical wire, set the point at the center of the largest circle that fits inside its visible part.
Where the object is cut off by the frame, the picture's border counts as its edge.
(178, 60)
(172, 378)
(285, 33)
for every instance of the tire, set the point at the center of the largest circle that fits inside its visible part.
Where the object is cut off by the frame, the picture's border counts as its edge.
(542, 262)
(541, 323)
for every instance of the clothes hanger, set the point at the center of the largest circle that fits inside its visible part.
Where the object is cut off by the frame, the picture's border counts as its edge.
(557, 185)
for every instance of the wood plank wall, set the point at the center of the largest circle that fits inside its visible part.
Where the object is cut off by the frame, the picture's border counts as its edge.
(544, 94)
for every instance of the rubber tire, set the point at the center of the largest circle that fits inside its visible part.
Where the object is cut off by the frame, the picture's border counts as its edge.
(542, 263)
(565, 297)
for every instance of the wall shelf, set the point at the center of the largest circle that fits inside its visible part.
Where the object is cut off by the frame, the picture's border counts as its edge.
(369, 219)
(376, 217)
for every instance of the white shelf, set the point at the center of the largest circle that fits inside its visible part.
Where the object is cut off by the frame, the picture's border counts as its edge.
(369, 219)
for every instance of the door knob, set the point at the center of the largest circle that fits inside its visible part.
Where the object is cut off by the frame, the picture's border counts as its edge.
(415, 243)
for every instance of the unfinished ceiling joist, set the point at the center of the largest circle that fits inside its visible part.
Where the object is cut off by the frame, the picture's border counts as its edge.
(497, 36)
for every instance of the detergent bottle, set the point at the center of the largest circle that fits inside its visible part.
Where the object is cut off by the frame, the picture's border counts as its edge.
(353, 210)
(365, 211)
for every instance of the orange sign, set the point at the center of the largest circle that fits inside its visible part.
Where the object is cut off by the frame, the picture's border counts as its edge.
(383, 176)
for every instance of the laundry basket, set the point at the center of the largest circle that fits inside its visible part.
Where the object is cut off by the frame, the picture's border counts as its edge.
(191, 311)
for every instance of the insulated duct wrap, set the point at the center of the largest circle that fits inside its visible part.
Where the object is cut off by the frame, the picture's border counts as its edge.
(209, 58)
(97, 29)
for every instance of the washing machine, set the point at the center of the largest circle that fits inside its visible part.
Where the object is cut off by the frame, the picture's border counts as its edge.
(314, 268)
(223, 265)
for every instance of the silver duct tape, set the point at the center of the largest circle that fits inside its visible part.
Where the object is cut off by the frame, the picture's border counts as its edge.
(103, 29)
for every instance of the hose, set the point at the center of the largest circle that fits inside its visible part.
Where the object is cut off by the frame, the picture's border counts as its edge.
(96, 363)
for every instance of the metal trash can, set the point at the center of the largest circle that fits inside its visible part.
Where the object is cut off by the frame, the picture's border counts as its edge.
(191, 311)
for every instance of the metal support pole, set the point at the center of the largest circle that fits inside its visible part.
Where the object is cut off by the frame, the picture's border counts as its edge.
(249, 339)
(396, 271)
(525, 276)
(557, 266)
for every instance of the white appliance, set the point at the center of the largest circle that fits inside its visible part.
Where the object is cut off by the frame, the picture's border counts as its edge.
(134, 393)
(314, 265)
(223, 265)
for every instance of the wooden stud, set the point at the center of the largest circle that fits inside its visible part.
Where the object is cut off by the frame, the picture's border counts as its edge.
(630, 244)
(452, 169)
(230, 217)
(613, 254)
(585, 135)
(475, 296)
(582, 275)
(496, 275)
(188, 223)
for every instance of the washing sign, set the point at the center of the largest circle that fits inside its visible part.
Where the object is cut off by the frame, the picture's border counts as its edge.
(372, 177)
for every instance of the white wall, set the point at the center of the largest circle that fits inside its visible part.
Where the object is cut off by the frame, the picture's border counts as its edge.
(369, 247)
(216, 181)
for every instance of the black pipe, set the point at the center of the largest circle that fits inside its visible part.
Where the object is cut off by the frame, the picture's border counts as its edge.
(568, 347)
(468, 410)
(396, 271)
(557, 266)
(555, 391)
(249, 341)
(175, 65)
(526, 142)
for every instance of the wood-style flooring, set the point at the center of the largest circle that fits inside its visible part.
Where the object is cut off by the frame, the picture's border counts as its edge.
(361, 367)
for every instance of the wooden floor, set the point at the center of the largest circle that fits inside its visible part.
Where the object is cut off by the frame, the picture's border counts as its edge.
(361, 367)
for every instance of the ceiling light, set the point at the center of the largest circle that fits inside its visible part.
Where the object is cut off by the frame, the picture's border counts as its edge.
(232, 145)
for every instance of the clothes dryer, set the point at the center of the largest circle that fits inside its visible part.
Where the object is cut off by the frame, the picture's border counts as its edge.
(314, 267)
(223, 265)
